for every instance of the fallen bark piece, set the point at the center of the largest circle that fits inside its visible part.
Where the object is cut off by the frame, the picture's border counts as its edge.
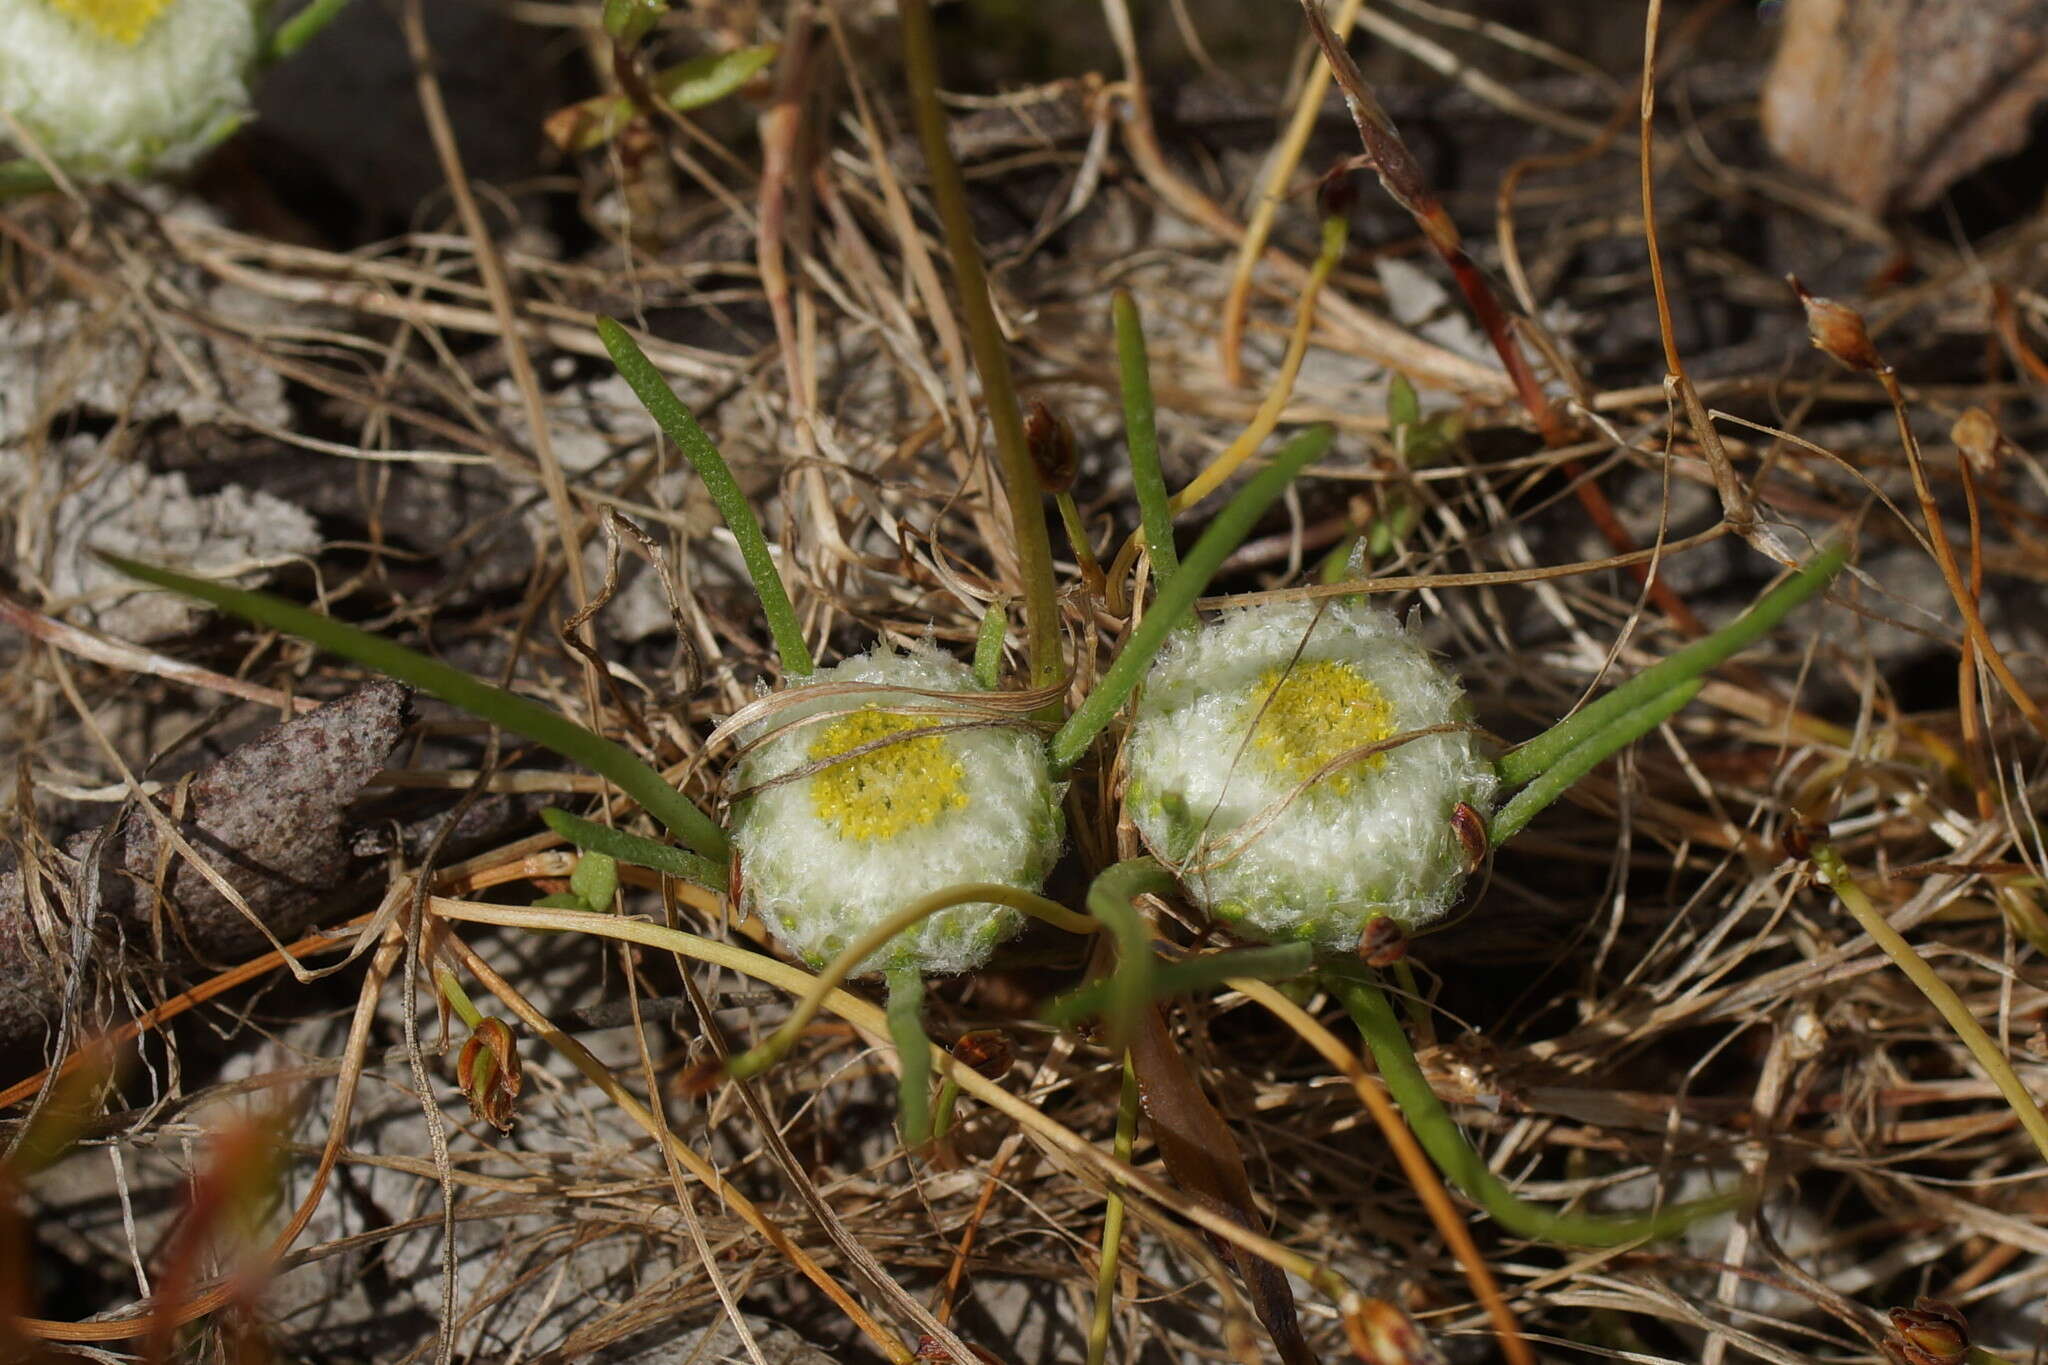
(269, 818)
(1892, 101)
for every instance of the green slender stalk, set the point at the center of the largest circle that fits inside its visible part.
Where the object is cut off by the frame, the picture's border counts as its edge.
(1109, 901)
(988, 645)
(1619, 732)
(21, 176)
(1691, 662)
(913, 1055)
(507, 710)
(1141, 435)
(1176, 599)
(871, 940)
(942, 1113)
(673, 418)
(1113, 1220)
(457, 998)
(1274, 962)
(1938, 992)
(1465, 1168)
(1033, 543)
(295, 32)
(631, 848)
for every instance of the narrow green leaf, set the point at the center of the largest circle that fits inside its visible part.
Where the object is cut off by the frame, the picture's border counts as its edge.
(675, 419)
(632, 849)
(1177, 599)
(1554, 781)
(1141, 436)
(508, 710)
(1465, 1168)
(1693, 661)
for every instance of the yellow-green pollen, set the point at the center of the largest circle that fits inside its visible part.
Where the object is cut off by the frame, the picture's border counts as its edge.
(124, 21)
(1310, 713)
(889, 789)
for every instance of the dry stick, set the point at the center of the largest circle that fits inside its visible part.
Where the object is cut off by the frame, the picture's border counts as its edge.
(492, 268)
(1839, 331)
(1415, 1164)
(135, 659)
(1258, 228)
(1938, 992)
(872, 1023)
(600, 1076)
(541, 865)
(1945, 556)
(1032, 543)
(1424, 362)
(1403, 181)
(198, 1306)
(1735, 503)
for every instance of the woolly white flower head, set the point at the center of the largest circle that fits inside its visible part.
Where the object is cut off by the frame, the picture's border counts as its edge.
(1237, 716)
(126, 87)
(828, 855)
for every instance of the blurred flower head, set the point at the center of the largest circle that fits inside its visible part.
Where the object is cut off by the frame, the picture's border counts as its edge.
(118, 88)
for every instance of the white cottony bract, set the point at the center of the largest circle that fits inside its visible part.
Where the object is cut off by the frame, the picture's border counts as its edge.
(1238, 776)
(116, 88)
(845, 815)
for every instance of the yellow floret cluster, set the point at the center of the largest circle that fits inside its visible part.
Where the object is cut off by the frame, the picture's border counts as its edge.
(876, 786)
(1310, 715)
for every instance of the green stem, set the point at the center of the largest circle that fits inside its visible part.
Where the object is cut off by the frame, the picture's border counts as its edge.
(1274, 962)
(1033, 543)
(295, 32)
(627, 770)
(1141, 435)
(1617, 734)
(1464, 1167)
(21, 176)
(2024, 1107)
(457, 998)
(988, 645)
(1691, 662)
(1109, 901)
(876, 936)
(1177, 599)
(631, 848)
(942, 1113)
(673, 418)
(913, 1055)
(1113, 1220)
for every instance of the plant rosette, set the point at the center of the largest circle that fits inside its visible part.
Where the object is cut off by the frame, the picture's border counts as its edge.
(854, 803)
(114, 88)
(1299, 766)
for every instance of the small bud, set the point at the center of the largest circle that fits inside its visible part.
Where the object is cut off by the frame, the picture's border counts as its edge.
(1838, 330)
(700, 1078)
(987, 1053)
(488, 1073)
(1384, 942)
(1470, 827)
(1929, 1333)
(1977, 439)
(1798, 838)
(1337, 192)
(1051, 442)
(1381, 1334)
